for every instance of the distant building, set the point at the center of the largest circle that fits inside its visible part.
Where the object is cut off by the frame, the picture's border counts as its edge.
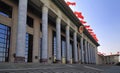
(101, 59)
(45, 31)
(108, 59)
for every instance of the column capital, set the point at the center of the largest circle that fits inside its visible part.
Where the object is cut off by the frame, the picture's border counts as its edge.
(67, 27)
(85, 40)
(68, 22)
(75, 29)
(58, 20)
(45, 9)
(59, 14)
(75, 33)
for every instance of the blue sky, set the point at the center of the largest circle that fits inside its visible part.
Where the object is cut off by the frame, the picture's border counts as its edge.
(104, 18)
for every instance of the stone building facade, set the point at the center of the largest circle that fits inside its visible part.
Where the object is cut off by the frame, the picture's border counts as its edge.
(45, 31)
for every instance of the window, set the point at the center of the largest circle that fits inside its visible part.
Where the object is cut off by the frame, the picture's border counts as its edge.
(71, 50)
(4, 43)
(5, 10)
(40, 27)
(84, 50)
(54, 45)
(30, 21)
(40, 51)
(63, 47)
(28, 48)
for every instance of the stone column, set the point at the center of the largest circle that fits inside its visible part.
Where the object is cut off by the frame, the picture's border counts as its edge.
(36, 41)
(85, 47)
(94, 56)
(75, 48)
(90, 53)
(86, 51)
(79, 53)
(44, 50)
(21, 32)
(58, 37)
(82, 51)
(68, 43)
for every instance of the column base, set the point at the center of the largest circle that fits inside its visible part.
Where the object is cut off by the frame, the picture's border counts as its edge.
(68, 62)
(58, 61)
(79, 62)
(63, 60)
(75, 62)
(88, 63)
(82, 62)
(44, 61)
(19, 59)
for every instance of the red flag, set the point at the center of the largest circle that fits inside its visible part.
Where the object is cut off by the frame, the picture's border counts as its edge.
(87, 26)
(94, 35)
(91, 32)
(89, 29)
(70, 3)
(83, 22)
(95, 38)
(79, 14)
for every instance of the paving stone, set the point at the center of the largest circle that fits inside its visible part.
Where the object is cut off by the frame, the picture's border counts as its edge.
(57, 68)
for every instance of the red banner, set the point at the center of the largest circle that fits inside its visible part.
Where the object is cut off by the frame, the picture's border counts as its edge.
(70, 3)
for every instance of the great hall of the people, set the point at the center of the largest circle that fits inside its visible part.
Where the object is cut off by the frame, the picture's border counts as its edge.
(43, 31)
